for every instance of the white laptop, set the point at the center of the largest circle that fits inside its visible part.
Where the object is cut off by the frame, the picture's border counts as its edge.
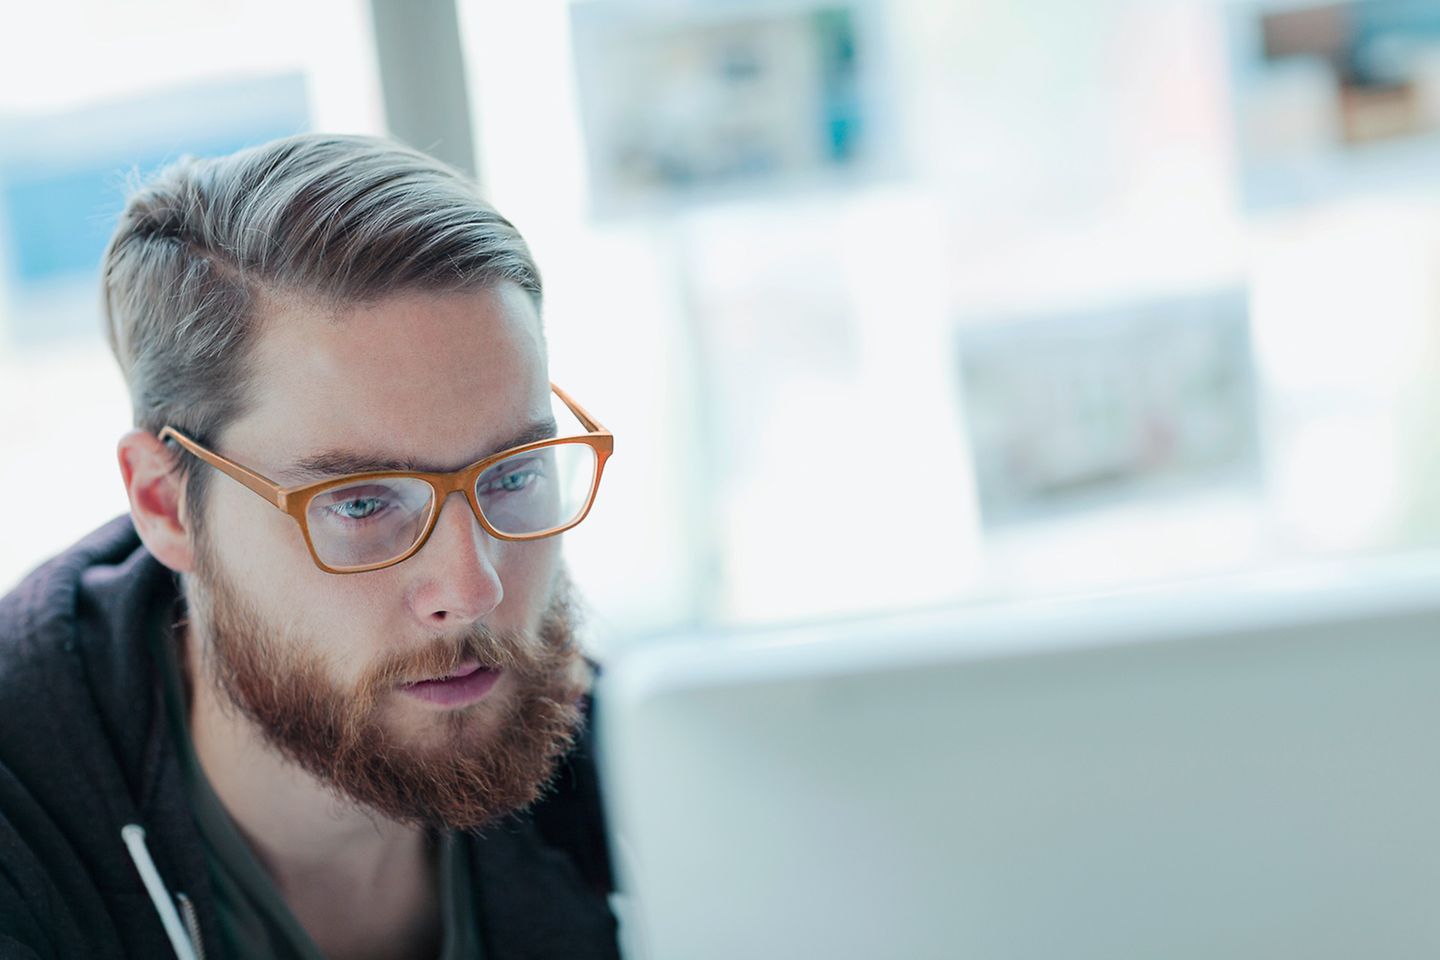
(1231, 770)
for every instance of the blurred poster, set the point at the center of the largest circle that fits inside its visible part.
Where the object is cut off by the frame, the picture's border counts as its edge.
(1070, 411)
(687, 101)
(1335, 98)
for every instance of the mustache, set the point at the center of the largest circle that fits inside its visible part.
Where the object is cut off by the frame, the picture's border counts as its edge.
(530, 655)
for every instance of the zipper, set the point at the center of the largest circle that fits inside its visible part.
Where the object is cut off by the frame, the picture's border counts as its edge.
(192, 923)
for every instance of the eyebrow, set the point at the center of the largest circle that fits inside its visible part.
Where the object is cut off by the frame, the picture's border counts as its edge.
(339, 463)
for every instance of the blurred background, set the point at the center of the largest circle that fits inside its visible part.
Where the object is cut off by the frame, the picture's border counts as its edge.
(889, 304)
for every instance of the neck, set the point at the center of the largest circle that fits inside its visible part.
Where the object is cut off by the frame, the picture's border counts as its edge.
(326, 855)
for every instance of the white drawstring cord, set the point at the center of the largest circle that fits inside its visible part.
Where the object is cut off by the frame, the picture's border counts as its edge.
(134, 836)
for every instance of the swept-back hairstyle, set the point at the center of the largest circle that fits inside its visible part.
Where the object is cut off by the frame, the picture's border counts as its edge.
(204, 244)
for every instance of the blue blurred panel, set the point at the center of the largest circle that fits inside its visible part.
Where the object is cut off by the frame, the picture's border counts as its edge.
(59, 223)
(63, 177)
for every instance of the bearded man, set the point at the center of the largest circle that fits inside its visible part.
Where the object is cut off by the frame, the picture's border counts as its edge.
(318, 695)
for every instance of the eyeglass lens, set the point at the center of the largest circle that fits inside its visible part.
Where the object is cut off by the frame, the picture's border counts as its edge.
(372, 521)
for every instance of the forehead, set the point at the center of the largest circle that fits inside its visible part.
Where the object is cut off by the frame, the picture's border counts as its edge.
(433, 377)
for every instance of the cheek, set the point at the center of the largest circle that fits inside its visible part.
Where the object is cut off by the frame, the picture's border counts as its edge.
(527, 572)
(264, 547)
(349, 624)
(338, 618)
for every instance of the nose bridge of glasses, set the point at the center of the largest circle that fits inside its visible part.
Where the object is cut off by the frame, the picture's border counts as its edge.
(449, 487)
(442, 487)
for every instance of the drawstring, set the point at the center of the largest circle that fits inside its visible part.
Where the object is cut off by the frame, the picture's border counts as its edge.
(134, 836)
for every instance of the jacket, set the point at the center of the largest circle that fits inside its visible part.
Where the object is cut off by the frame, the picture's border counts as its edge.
(87, 757)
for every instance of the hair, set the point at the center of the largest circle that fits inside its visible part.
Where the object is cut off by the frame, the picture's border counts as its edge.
(204, 246)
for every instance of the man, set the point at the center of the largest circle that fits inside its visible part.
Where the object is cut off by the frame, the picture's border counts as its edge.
(318, 694)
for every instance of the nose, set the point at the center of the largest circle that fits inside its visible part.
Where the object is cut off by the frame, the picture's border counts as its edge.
(457, 581)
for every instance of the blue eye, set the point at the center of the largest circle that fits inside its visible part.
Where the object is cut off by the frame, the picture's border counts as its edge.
(511, 477)
(518, 480)
(358, 508)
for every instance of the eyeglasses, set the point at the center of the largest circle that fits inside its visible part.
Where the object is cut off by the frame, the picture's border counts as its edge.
(366, 521)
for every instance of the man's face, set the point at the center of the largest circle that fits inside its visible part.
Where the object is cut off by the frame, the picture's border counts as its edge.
(327, 665)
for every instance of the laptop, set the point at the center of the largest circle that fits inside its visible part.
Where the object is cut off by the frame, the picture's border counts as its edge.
(1234, 769)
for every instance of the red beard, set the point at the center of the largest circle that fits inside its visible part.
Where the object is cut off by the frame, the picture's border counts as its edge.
(487, 761)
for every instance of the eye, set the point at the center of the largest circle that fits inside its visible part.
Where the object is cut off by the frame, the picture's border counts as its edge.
(514, 480)
(512, 477)
(358, 508)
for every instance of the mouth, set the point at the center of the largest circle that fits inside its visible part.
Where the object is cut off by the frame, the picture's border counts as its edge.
(466, 684)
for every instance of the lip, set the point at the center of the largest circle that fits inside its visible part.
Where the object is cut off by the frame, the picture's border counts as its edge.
(467, 684)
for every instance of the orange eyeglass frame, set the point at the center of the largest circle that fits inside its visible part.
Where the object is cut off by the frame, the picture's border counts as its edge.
(295, 501)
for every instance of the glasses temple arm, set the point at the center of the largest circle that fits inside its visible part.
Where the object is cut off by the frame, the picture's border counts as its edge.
(258, 484)
(588, 421)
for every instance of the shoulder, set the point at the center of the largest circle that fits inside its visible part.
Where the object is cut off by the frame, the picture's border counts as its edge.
(46, 604)
(52, 625)
(50, 905)
(73, 665)
(73, 656)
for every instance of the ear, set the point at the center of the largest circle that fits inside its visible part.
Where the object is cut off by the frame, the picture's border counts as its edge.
(157, 499)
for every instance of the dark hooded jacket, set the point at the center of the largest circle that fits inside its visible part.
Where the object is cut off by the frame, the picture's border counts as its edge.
(85, 750)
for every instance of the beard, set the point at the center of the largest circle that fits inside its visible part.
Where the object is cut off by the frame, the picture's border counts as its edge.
(472, 767)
